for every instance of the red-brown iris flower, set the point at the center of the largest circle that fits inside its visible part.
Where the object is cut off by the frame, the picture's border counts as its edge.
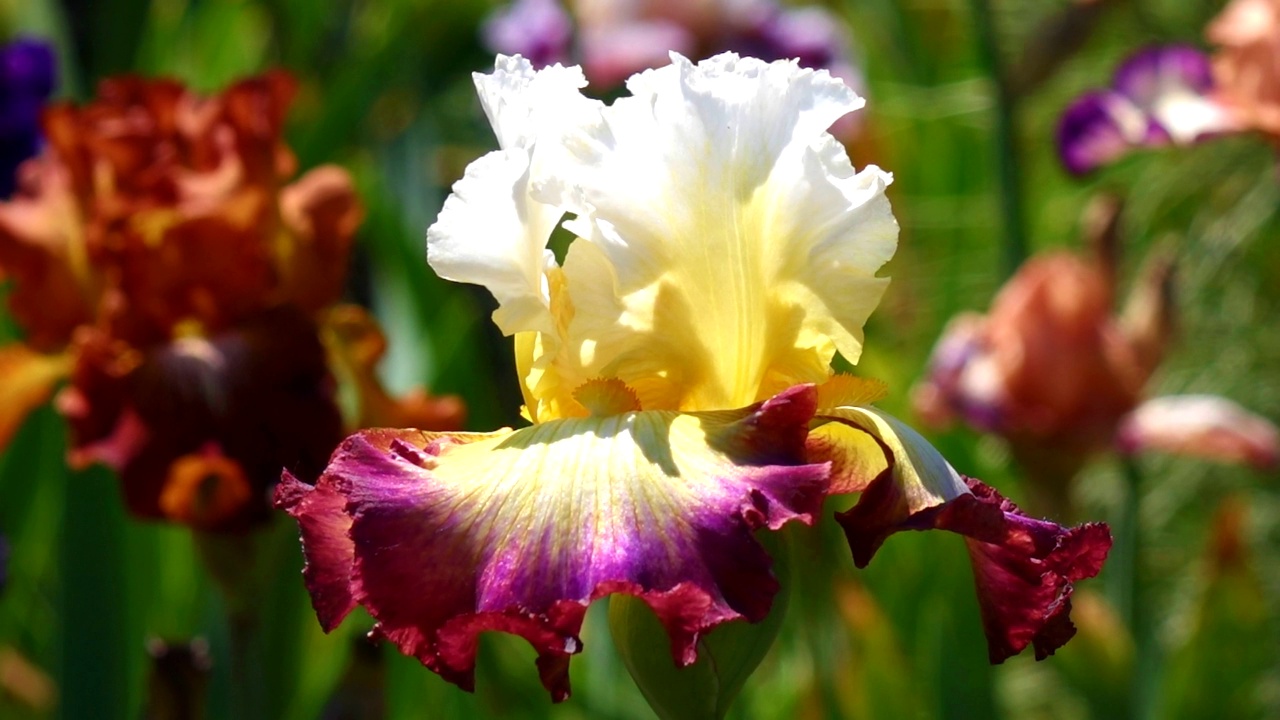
(163, 259)
(1052, 369)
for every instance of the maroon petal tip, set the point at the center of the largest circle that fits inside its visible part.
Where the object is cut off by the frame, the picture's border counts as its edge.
(1023, 568)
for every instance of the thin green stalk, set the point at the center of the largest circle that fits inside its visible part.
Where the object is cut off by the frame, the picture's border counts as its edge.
(237, 564)
(97, 647)
(248, 695)
(1125, 589)
(1009, 176)
(1122, 581)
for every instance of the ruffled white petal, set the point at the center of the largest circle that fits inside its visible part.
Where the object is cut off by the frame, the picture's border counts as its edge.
(727, 247)
(490, 231)
(735, 226)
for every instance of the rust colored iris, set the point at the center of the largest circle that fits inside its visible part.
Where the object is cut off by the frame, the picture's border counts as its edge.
(162, 256)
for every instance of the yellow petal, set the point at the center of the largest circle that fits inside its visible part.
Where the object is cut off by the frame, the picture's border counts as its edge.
(27, 378)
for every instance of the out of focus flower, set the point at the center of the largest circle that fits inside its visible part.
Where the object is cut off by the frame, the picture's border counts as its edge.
(1246, 66)
(618, 38)
(540, 30)
(26, 683)
(1054, 371)
(1159, 95)
(28, 73)
(1177, 94)
(1205, 426)
(677, 371)
(162, 258)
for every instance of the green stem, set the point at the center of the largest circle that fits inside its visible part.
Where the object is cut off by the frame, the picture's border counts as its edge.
(97, 644)
(237, 564)
(1125, 588)
(1122, 583)
(1009, 177)
(247, 691)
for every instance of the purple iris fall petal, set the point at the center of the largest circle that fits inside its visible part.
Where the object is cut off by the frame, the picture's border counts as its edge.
(1100, 127)
(811, 35)
(28, 72)
(1158, 95)
(444, 536)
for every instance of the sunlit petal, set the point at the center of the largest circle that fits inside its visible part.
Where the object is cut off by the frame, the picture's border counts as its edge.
(1023, 568)
(27, 379)
(490, 231)
(741, 244)
(518, 531)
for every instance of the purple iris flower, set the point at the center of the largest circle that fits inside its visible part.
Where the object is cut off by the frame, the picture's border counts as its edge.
(1159, 95)
(28, 72)
(539, 30)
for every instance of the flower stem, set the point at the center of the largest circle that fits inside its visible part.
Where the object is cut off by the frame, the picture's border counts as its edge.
(236, 563)
(1009, 177)
(1126, 590)
(247, 691)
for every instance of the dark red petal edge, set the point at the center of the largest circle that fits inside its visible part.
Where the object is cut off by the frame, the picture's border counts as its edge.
(329, 552)
(1023, 568)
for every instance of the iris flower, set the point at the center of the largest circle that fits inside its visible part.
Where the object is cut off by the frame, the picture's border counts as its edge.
(1159, 96)
(165, 264)
(1057, 372)
(1246, 62)
(676, 369)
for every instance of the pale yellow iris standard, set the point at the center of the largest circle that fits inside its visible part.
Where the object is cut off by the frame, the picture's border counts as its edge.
(726, 249)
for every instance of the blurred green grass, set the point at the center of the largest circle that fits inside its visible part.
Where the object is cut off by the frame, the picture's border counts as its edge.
(386, 92)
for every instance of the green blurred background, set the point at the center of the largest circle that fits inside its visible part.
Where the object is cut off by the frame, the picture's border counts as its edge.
(386, 93)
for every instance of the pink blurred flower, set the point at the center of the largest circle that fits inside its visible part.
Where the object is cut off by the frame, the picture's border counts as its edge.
(1204, 426)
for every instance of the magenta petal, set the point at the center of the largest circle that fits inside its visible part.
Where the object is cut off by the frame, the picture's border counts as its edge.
(1023, 568)
(1100, 127)
(1149, 73)
(454, 535)
(330, 554)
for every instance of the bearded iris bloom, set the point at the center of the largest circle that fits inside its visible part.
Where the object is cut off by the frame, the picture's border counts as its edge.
(166, 266)
(1057, 372)
(1159, 96)
(676, 368)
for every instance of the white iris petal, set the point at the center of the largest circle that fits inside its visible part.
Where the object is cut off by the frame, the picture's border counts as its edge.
(727, 248)
(491, 232)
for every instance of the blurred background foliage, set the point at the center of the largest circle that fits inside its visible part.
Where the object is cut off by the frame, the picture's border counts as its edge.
(386, 93)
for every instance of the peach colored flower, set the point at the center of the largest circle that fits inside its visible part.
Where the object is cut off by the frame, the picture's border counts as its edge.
(1051, 367)
(1246, 66)
(1053, 370)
